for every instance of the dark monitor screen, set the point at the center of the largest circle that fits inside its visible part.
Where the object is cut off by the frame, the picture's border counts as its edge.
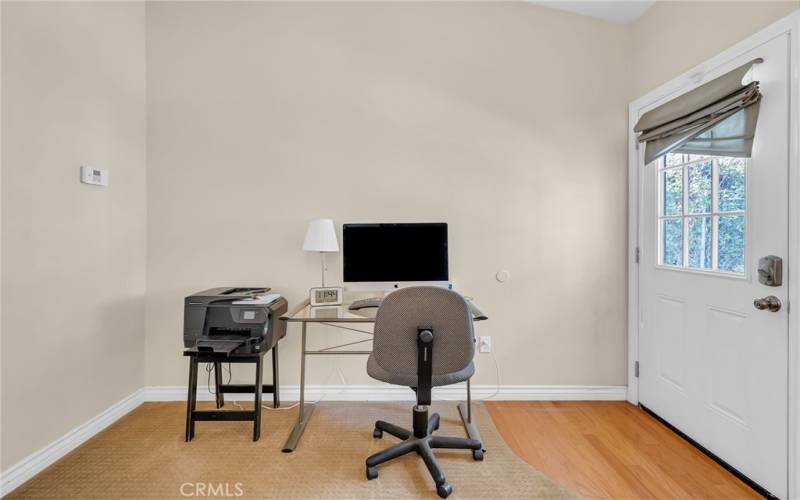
(395, 252)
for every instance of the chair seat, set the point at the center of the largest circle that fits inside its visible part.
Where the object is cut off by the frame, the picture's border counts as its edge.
(375, 371)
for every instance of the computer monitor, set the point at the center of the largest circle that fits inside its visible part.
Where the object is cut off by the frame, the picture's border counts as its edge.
(387, 256)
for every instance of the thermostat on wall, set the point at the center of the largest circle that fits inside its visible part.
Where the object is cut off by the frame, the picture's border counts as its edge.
(94, 175)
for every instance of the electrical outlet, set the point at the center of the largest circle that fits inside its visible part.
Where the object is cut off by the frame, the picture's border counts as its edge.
(485, 343)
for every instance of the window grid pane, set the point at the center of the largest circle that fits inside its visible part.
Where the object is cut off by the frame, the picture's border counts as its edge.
(702, 213)
(731, 184)
(731, 243)
(672, 236)
(672, 192)
(699, 243)
(700, 182)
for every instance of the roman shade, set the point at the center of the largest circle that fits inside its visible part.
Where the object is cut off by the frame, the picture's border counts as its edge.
(717, 118)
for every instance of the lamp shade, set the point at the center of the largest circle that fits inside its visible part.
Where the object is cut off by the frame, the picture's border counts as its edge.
(321, 236)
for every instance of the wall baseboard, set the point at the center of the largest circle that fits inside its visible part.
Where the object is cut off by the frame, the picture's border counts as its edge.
(37, 461)
(387, 392)
(34, 463)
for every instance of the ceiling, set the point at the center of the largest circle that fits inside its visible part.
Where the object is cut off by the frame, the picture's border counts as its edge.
(618, 11)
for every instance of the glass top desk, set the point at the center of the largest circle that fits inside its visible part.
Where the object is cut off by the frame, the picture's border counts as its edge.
(342, 317)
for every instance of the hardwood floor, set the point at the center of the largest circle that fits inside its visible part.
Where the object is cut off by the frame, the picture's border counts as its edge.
(611, 450)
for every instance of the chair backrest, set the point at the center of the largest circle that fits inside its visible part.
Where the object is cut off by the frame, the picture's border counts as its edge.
(404, 311)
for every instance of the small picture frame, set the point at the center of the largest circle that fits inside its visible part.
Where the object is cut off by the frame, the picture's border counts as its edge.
(326, 296)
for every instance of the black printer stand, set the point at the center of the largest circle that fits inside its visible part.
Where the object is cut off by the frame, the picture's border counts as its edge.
(193, 415)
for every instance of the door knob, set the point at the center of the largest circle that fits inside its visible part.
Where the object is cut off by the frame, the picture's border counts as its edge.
(770, 302)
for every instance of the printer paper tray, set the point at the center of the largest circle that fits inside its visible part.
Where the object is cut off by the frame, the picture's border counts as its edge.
(219, 346)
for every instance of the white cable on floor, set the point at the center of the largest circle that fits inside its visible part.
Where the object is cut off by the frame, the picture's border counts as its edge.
(327, 379)
(344, 384)
(497, 379)
(341, 377)
(280, 407)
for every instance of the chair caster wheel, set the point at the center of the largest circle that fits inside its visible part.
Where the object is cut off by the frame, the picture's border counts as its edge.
(377, 433)
(436, 421)
(372, 472)
(477, 455)
(444, 490)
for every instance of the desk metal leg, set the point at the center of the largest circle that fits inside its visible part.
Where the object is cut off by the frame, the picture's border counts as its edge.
(466, 417)
(191, 398)
(305, 411)
(218, 384)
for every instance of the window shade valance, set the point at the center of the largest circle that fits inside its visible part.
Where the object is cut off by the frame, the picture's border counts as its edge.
(717, 118)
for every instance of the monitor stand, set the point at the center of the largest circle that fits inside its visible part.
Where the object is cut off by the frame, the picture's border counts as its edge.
(364, 303)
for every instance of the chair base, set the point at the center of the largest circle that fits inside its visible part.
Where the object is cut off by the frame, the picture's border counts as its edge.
(421, 441)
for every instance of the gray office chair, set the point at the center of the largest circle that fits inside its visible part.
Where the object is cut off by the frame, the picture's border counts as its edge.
(423, 339)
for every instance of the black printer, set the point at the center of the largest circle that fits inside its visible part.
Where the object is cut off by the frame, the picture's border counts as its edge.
(222, 320)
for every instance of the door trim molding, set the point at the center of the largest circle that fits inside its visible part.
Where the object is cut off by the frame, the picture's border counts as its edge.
(694, 77)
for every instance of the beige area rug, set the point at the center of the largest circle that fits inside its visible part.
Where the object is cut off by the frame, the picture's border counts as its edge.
(143, 455)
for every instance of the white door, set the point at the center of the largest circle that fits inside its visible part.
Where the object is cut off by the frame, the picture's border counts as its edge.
(711, 364)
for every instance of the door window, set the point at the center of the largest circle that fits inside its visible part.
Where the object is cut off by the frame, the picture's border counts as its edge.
(702, 212)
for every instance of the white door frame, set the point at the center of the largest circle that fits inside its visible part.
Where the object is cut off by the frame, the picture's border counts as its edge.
(691, 79)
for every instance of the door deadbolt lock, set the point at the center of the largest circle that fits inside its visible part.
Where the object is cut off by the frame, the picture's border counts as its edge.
(771, 303)
(770, 270)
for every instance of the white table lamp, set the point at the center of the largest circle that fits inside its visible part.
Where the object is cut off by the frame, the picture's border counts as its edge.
(321, 237)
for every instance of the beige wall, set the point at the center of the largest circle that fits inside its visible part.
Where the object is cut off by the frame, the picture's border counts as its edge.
(673, 37)
(73, 255)
(263, 116)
